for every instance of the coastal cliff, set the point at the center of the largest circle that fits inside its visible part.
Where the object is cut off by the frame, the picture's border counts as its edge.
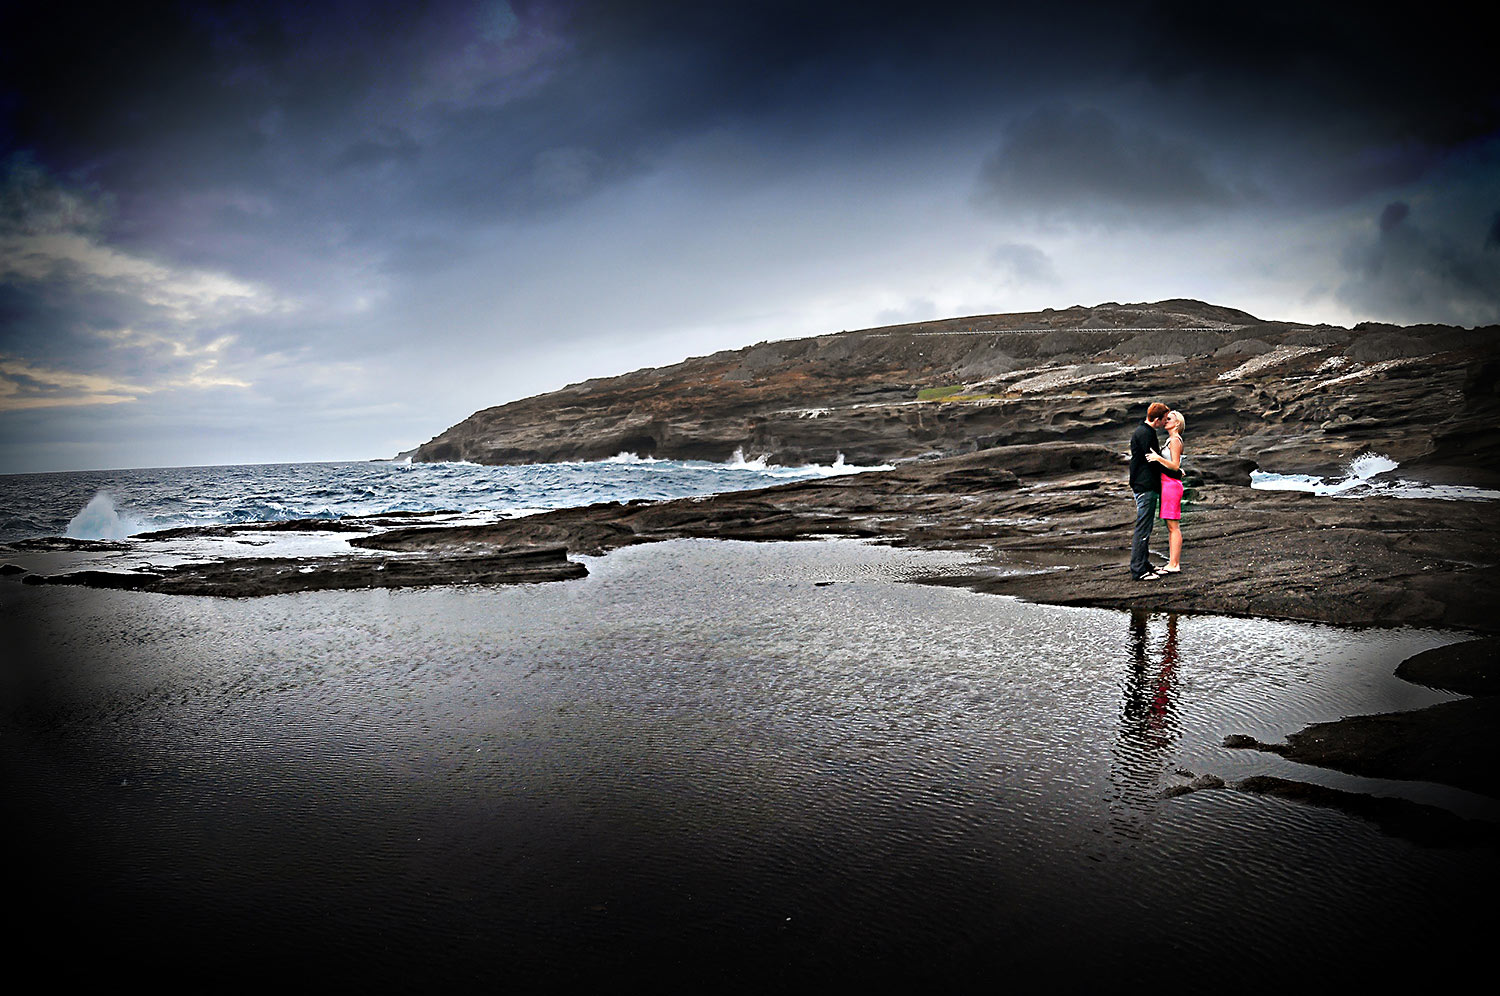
(1290, 397)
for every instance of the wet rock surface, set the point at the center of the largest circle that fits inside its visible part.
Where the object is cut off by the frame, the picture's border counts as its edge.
(250, 577)
(1471, 668)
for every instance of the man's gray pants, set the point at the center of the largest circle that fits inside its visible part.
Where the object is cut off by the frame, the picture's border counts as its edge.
(1140, 545)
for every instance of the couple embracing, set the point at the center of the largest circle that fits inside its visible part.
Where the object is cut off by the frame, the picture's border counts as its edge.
(1155, 476)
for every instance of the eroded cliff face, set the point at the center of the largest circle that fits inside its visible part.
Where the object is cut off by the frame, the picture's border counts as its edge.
(1292, 398)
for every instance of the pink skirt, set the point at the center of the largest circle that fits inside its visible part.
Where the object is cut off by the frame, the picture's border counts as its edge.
(1171, 498)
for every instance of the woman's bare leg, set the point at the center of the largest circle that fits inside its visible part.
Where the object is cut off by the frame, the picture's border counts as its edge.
(1174, 543)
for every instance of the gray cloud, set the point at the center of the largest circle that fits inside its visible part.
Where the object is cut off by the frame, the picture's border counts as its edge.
(1405, 272)
(392, 146)
(1083, 164)
(87, 323)
(1392, 215)
(1021, 263)
(916, 310)
(33, 203)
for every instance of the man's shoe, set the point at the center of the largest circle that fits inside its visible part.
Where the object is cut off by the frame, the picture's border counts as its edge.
(1149, 576)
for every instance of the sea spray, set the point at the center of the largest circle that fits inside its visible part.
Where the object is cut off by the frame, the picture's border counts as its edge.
(1367, 465)
(762, 465)
(101, 520)
(1357, 473)
(1358, 481)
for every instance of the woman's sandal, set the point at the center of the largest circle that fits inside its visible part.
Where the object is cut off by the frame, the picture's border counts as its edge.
(1169, 570)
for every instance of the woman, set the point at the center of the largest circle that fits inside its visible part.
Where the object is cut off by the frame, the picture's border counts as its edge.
(1171, 489)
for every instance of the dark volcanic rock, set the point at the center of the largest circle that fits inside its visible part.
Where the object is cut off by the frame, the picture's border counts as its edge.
(1244, 347)
(1210, 469)
(1291, 398)
(1452, 743)
(1380, 346)
(67, 544)
(278, 576)
(1471, 668)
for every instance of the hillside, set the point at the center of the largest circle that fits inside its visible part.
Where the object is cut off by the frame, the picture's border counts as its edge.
(1291, 397)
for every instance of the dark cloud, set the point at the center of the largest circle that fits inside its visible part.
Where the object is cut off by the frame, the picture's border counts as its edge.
(338, 182)
(1393, 214)
(1421, 76)
(33, 202)
(393, 147)
(491, 110)
(1404, 271)
(1081, 162)
(1024, 264)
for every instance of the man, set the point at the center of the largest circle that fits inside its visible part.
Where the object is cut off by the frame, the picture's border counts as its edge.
(1145, 481)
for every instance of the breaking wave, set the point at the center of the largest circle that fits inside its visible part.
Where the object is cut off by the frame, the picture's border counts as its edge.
(1359, 481)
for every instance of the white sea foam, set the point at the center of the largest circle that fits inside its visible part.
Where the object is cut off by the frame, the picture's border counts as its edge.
(760, 464)
(1357, 483)
(625, 456)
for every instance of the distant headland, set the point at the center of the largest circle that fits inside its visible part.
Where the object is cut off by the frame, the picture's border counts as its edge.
(1292, 398)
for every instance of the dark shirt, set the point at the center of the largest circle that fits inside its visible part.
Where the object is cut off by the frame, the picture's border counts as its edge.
(1144, 475)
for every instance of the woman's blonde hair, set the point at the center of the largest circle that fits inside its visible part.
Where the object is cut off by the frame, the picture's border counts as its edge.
(1178, 417)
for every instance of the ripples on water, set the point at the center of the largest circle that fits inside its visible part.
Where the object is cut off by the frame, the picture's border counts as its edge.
(734, 761)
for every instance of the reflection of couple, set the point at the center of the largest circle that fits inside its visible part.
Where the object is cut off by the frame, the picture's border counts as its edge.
(1148, 725)
(1148, 692)
(1156, 476)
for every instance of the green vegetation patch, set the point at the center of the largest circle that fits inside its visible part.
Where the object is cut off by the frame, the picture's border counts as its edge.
(935, 393)
(954, 392)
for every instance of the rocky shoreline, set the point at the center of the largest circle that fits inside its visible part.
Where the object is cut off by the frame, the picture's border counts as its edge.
(1049, 523)
(1007, 433)
(1046, 522)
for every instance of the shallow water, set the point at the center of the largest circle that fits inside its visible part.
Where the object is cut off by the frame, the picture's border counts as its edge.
(739, 761)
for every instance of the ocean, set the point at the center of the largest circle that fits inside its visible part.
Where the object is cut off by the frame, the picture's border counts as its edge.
(118, 504)
(114, 505)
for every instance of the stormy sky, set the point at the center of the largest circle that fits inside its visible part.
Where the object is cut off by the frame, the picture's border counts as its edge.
(245, 232)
